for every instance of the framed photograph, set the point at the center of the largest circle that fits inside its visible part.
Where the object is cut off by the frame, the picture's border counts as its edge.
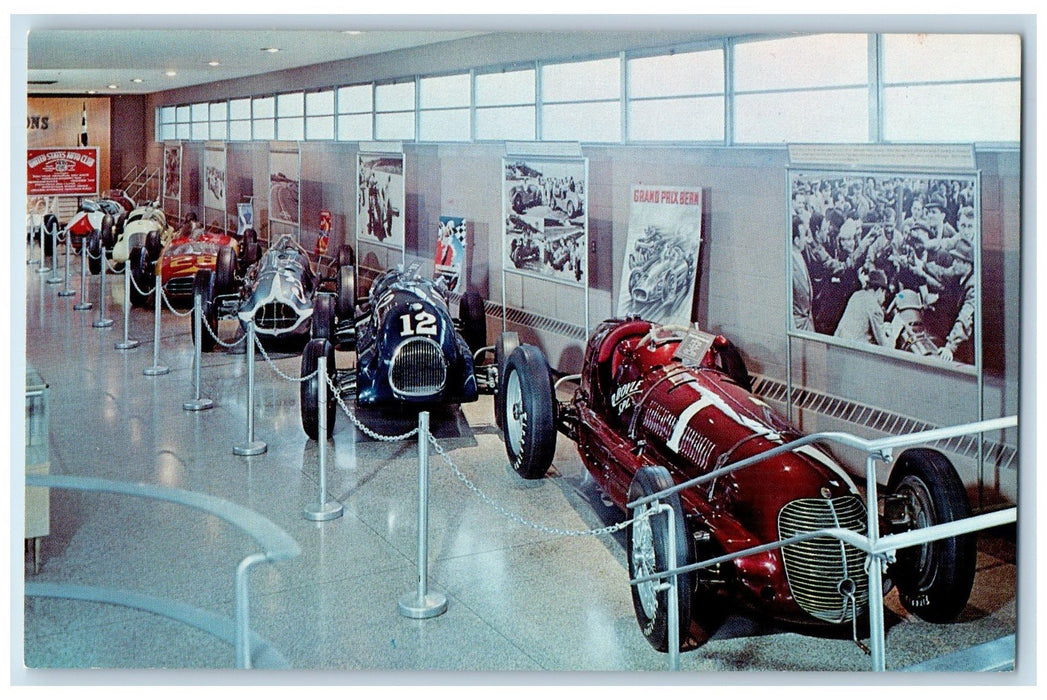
(662, 249)
(887, 262)
(546, 218)
(214, 178)
(380, 199)
(172, 171)
(284, 174)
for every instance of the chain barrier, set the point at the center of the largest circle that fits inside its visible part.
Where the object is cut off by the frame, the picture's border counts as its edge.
(277, 370)
(167, 303)
(140, 290)
(363, 428)
(211, 332)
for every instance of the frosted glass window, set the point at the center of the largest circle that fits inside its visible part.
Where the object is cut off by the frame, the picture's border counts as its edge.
(509, 88)
(200, 112)
(505, 123)
(183, 131)
(953, 113)
(290, 129)
(444, 91)
(319, 103)
(585, 121)
(262, 107)
(319, 128)
(938, 57)
(444, 125)
(355, 98)
(182, 113)
(218, 111)
(167, 115)
(355, 127)
(240, 130)
(585, 80)
(290, 105)
(395, 126)
(168, 132)
(394, 97)
(240, 109)
(692, 73)
(677, 119)
(822, 60)
(200, 131)
(822, 116)
(264, 129)
(218, 131)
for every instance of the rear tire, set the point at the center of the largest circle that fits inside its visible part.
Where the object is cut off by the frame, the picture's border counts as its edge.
(647, 544)
(310, 389)
(474, 321)
(225, 269)
(323, 316)
(935, 579)
(346, 306)
(203, 294)
(346, 256)
(143, 276)
(526, 393)
(108, 233)
(94, 253)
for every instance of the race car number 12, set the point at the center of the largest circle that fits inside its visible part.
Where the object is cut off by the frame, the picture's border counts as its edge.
(424, 323)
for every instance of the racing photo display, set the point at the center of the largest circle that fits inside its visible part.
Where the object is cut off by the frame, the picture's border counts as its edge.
(886, 262)
(449, 256)
(214, 177)
(661, 254)
(284, 172)
(546, 218)
(380, 198)
(172, 172)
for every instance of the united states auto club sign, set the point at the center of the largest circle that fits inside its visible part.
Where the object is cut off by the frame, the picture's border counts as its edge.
(62, 171)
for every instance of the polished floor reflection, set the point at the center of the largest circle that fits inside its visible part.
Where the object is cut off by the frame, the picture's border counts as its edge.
(520, 596)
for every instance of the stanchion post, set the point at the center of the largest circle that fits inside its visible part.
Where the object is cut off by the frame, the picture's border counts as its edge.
(102, 321)
(674, 592)
(42, 269)
(84, 304)
(323, 509)
(250, 447)
(66, 290)
(127, 343)
(197, 403)
(53, 279)
(157, 369)
(876, 622)
(423, 603)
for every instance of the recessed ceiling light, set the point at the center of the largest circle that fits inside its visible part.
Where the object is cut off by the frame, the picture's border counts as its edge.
(170, 73)
(351, 32)
(136, 80)
(213, 63)
(112, 87)
(270, 49)
(92, 92)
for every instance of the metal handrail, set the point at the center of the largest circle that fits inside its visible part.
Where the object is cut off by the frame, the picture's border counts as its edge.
(880, 550)
(276, 545)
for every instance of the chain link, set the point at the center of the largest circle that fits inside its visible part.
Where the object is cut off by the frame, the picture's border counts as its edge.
(213, 334)
(607, 530)
(363, 428)
(272, 365)
(167, 302)
(139, 289)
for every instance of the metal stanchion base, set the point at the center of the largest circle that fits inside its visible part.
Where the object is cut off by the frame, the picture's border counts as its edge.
(126, 344)
(250, 449)
(198, 405)
(103, 323)
(155, 370)
(83, 306)
(319, 512)
(54, 280)
(67, 293)
(417, 608)
(42, 270)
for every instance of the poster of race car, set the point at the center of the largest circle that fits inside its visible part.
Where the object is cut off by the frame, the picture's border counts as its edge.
(172, 172)
(545, 217)
(214, 178)
(284, 172)
(380, 200)
(662, 248)
(886, 262)
(449, 256)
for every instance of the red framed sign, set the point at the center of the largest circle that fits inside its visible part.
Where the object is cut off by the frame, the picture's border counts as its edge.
(62, 171)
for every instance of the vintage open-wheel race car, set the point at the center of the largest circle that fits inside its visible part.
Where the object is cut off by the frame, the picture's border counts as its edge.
(410, 351)
(656, 406)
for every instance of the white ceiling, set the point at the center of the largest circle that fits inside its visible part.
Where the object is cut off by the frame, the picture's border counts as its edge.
(93, 59)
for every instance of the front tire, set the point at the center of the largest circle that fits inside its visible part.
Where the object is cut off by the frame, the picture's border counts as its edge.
(142, 276)
(647, 544)
(203, 294)
(935, 579)
(526, 393)
(94, 253)
(507, 342)
(323, 317)
(310, 389)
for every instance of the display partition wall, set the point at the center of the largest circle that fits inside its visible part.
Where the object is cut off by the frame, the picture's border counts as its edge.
(545, 235)
(904, 219)
(380, 207)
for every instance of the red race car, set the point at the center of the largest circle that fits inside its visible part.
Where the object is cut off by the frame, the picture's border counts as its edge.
(656, 406)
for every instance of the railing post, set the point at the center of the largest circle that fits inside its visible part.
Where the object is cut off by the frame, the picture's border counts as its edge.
(102, 321)
(323, 509)
(877, 640)
(250, 447)
(157, 368)
(53, 279)
(674, 591)
(127, 343)
(423, 603)
(83, 304)
(41, 269)
(198, 403)
(66, 290)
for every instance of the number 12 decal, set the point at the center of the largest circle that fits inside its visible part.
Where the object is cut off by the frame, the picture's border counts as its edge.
(424, 324)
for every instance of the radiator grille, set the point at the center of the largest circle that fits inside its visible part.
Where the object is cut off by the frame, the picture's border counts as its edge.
(275, 316)
(179, 286)
(818, 569)
(418, 368)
